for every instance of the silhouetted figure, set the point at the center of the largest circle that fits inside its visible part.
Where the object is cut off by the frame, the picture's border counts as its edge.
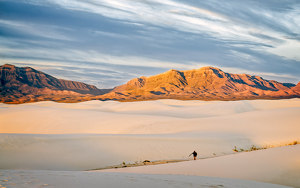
(194, 154)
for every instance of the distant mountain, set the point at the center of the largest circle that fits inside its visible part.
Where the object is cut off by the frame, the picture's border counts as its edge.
(25, 84)
(207, 83)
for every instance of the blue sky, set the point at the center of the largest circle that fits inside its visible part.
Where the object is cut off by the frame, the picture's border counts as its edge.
(108, 42)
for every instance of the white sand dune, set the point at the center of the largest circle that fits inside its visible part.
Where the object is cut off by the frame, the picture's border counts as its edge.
(95, 134)
(157, 117)
(136, 131)
(275, 165)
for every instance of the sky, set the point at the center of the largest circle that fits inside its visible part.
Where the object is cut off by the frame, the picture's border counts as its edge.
(108, 42)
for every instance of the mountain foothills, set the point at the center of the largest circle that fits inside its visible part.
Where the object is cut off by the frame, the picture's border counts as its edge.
(25, 84)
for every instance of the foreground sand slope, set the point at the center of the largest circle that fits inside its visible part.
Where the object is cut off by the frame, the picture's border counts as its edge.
(276, 165)
(79, 179)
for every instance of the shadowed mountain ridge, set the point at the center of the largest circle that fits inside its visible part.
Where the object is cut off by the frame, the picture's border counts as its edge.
(25, 82)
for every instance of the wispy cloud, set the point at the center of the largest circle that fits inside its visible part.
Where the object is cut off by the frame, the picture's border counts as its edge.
(92, 67)
(44, 31)
(194, 19)
(99, 39)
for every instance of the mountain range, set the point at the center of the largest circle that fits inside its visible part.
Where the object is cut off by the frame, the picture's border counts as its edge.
(25, 84)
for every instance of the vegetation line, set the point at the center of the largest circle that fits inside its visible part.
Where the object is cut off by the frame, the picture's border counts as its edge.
(157, 162)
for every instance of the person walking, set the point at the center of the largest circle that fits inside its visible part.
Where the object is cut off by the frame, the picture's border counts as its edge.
(194, 154)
